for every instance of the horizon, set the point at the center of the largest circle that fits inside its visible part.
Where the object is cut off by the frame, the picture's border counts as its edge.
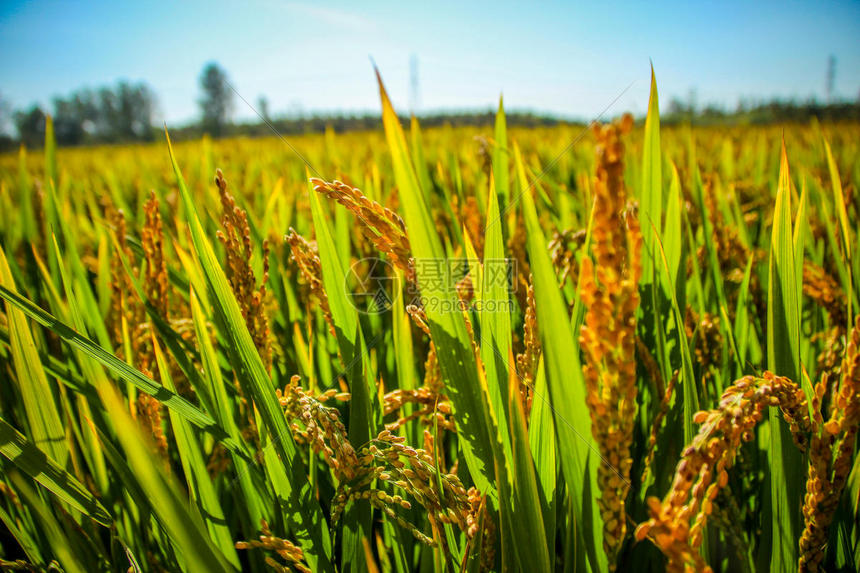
(707, 56)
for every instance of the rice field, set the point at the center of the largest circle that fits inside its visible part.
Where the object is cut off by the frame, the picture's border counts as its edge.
(604, 348)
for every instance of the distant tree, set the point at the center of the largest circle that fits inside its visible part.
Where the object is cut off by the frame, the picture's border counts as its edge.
(31, 126)
(712, 112)
(217, 101)
(86, 105)
(68, 123)
(137, 103)
(126, 113)
(263, 108)
(5, 115)
(6, 140)
(123, 113)
(677, 107)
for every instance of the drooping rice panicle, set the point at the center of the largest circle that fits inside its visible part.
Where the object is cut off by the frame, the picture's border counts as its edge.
(305, 255)
(235, 235)
(677, 522)
(382, 226)
(292, 555)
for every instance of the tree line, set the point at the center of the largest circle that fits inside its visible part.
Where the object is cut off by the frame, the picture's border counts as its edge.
(760, 112)
(123, 113)
(128, 112)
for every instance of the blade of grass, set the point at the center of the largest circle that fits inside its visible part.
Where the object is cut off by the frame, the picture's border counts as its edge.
(22, 536)
(543, 449)
(251, 482)
(651, 202)
(200, 485)
(501, 159)
(529, 521)
(50, 151)
(35, 463)
(495, 314)
(574, 439)
(171, 508)
(418, 157)
(168, 504)
(672, 231)
(43, 418)
(29, 227)
(120, 368)
(783, 350)
(57, 539)
(742, 324)
(842, 211)
(688, 386)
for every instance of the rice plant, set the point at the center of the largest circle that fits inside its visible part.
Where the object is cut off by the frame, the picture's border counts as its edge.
(441, 350)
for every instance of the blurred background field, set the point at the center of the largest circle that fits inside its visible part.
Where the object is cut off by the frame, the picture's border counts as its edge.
(253, 317)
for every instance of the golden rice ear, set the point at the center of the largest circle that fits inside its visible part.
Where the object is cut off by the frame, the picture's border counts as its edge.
(826, 292)
(292, 555)
(304, 254)
(152, 237)
(677, 523)
(527, 361)
(235, 235)
(830, 453)
(610, 291)
(626, 123)
(380, 225)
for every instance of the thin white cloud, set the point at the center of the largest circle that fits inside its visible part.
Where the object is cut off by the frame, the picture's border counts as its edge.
(333, 17)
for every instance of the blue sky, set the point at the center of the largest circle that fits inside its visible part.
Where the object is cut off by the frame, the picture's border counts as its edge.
(567, 58)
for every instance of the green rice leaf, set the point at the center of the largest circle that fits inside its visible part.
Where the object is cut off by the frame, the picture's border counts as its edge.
(688, 386)
(501, 158)
(43, 419)
(839, 200)
(673, 239)
(188, 533)
(528, 521)
(118, 367)
(35, 463)
(842, 212)
(651, 201)
(418, 157)
(495, 312)
(543, 448)
(467, 391)
(574, 440)
(22, 536)
(783, 357)
(158, 486)
(200, 486)
(251, 482)
(50, 152)
(57, 538)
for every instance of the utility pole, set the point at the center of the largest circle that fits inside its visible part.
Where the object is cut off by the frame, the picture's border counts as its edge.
(831, 78)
